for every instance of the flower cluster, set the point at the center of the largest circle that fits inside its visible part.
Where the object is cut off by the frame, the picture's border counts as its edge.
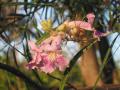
(47, 56)
(76, 28)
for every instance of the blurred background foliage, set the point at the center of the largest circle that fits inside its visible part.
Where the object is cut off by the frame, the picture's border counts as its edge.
(20, 21)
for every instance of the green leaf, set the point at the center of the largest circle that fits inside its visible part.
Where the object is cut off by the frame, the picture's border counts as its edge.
(105, 61)
(25, 5)
(72, 63)
(35, 26)
(28, 57)
(43, 37)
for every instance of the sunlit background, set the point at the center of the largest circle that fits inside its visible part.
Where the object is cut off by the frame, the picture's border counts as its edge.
(23, 23)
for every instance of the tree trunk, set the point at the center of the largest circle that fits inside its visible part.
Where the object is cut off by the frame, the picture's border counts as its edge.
(89, 68)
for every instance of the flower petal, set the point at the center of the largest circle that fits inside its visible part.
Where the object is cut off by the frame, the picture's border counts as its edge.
(48, 68)
(57, 42)
(81, 24)
(61, 62)
(90, 18)
(98, 34)
(33, 47)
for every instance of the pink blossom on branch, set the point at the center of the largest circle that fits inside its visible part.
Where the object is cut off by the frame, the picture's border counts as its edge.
(33, 46)
(90, 18)
(36, 55)
(87, 26)
(80, 24)
(98, 34)
(53, 61)
(52, 43)
(50, 57)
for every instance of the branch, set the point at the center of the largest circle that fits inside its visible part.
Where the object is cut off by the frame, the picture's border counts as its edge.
(61, 79)
(20, 74)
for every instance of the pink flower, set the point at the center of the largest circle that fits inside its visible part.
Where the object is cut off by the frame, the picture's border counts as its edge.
(81, 24)
(87, 26)
(90, 18)
(49, 58)
(36, 59)
(53, 61)
(36, 55)
(98, 34)
(52, 43)
(33, 47)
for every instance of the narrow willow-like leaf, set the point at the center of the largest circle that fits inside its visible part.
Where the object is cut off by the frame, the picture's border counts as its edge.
(16, 3)
(72, 63)
(35, 26)
(46, 13)
(27, 51)
(28, 57)
(43, 37)
(25, 5)
(105, 61)
(14, 57)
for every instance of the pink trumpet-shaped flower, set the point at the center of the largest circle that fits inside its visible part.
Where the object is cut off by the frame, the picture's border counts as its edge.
(32, 45)
(36, 59)
(87, 26)
(98, 34)
(52, 43)
(90, 18)
(36, 55)
(48, 57)
(81, 24)
(53, 61)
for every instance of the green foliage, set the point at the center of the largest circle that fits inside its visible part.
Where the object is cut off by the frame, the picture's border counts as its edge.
(105, 61)
(21, 25)
(72, 63)
(43, 37)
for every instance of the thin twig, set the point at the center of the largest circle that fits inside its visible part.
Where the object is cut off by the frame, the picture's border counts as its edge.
(61, 79)
(105, 61)
(21, 75)
(3, 37)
